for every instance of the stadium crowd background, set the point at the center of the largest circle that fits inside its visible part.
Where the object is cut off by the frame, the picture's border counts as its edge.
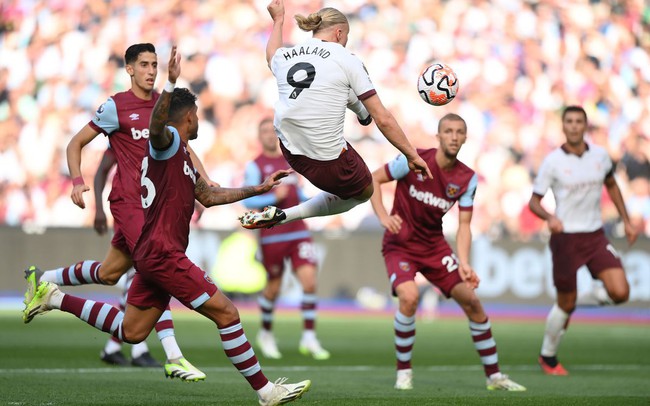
(519, 62)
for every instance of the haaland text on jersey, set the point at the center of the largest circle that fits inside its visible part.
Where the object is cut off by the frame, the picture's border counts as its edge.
(430, 199)
(323, 53)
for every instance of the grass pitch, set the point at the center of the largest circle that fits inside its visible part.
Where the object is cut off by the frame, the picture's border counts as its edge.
(55, 361)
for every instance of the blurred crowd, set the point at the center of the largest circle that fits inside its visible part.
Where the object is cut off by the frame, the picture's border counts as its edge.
(519, 63)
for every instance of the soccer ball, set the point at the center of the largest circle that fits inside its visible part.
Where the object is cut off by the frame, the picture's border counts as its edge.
(438, 84)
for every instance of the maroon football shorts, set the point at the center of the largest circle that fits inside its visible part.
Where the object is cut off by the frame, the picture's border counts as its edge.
(570, 251)
(346, 176)
(440, 266)
(300, 252)
(158, 279)
(127, 225)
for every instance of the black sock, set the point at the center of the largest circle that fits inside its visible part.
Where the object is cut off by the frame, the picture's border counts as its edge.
(550, 361)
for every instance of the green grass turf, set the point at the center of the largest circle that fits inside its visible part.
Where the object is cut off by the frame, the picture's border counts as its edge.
(54, 361)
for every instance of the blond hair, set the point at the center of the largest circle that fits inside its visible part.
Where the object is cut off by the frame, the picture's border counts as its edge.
(321, 20)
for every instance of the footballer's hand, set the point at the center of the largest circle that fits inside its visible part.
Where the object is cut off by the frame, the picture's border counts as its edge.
(77, 195)
(418, 165)
(100, 224)
(392, 223)
(555, 225)
(174, 65)
(468, 275)
(631, 233)
(276, 9)
(274, 179)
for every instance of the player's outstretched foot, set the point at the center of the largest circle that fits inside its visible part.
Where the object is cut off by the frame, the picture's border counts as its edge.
(551, 366)
(114, 358)
(502, 382)
(266, 218)
(285, 392)
(404, 379)
(32, 276)
(145, 361)
(266, 342)
(40, 302)
(312, 347)
(184, 370)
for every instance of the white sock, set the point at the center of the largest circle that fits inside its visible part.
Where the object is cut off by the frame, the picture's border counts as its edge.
(111, 347)
(323, 204)
(139, 349)
(595, 297)
(308, 335)
(50, 276)
(265, 391)
(172, 350)
(555, 322)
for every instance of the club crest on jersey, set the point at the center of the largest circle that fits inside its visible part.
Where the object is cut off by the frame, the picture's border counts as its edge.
(208, 279)
(452, 190)
(404, 266)
(134, 116)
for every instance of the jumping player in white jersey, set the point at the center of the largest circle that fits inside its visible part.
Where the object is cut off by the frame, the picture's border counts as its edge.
(575, 173)
(317, 80)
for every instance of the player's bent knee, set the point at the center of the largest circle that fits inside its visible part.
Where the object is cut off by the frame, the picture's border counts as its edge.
(109, 277)
(619, 296)
(409, 302)
(134, 337)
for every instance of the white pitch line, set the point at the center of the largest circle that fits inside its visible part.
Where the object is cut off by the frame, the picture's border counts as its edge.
(344, 368)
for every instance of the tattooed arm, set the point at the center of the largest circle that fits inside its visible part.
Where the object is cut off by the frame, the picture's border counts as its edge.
(159, 135)
(213, 196)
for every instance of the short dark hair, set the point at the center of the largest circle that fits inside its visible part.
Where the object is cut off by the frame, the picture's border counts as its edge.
(132, 52)
(451, 117)
(574, 109)
(182, 101)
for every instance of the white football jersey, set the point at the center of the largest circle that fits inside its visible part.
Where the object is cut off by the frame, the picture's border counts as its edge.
(577, 184)
(314, 82)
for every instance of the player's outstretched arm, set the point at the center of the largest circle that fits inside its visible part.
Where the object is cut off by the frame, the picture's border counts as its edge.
(198, 165)
(73, 156)
(395, 135)
(159, 135)
(276, 10)
(107, 162)
(212, 196)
